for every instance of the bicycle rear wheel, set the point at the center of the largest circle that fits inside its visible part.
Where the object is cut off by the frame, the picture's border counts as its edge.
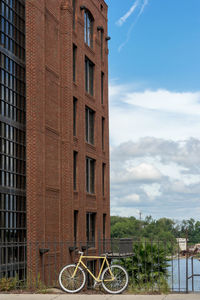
(69, 284)
(117, 283)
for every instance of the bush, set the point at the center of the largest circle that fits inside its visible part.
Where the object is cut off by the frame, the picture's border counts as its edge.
(148, 267)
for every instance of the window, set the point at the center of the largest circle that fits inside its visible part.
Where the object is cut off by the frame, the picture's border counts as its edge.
(12, 137)
(103, 178)
(104, 226)
(74, 62)
(88, 28)
(89, 76)
(75, 169)
(74, 115)
(75, 225)
(102, 131)
(90, 228)
(74, 13)
(101, 44)
(102, 86)
(104, 232)
(89, 125)
(90, 175)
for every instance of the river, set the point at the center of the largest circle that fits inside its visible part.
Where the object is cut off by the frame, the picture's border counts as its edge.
(177, 279)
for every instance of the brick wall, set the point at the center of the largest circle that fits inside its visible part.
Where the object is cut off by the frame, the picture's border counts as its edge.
(51, 200)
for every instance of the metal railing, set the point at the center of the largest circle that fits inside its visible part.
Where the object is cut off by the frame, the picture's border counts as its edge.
(151, 265)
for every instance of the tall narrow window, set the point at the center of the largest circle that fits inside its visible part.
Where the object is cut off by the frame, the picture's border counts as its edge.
(101, 44)
(75, 225)
(104, 226)
(102, 87)
(74, 13)
(89, 125)
(89, 76)
(75, 170)
(103, 178)
(74, 62)
(90, 175)
(88, 28)
(90, 228)
(102, 132)
(74, 116)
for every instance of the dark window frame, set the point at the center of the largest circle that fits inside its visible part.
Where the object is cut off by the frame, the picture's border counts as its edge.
(88, 28)
(75, 226)
(103, 133)
(90, 175)
(74, 14)
(75, 156)
(89, 76)
(102, 35)
(102, 87)
(89, 125)
(75, 101)
(103, 178)
(13, 138)
(104, 226)
(74, 62)
(91, 228)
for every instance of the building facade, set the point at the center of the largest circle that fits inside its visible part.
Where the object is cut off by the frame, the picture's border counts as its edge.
(54, 166)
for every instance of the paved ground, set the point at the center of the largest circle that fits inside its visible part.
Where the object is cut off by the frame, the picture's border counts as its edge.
(97, 297)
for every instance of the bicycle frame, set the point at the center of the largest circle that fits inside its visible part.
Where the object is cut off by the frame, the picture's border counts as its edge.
(105, 261)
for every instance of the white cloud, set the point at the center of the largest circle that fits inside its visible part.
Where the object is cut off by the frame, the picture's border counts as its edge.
(123, 19)
(163, 100)
(161, 114)
(144, 171)
(143, 7)
(152, 190)
(155, 142)
(123, 211)
(163, 174)
(137, 4)
(167, 154)
(128, 200)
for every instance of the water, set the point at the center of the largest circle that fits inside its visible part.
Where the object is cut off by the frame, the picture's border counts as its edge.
(177, 279)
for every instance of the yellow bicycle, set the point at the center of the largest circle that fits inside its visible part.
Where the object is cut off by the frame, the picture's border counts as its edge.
(113, 278)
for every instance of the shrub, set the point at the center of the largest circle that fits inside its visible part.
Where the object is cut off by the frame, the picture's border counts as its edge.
(148, 267)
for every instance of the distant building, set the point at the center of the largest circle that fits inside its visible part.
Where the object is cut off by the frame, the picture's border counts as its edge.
(182, 242)
(197, 248)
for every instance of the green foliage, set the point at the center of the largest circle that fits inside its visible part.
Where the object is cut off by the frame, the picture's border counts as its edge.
(32, 284)
(36, 284)
(161, 229)
(8, 284)
(124, 227)
(147, 269)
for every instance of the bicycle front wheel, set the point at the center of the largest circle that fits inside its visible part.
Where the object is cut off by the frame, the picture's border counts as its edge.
(72, 284)
(115, 279)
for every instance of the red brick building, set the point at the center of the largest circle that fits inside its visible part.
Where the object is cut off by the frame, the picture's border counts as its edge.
(62, 45)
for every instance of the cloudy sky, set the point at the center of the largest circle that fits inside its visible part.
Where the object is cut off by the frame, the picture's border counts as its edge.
(154, 86)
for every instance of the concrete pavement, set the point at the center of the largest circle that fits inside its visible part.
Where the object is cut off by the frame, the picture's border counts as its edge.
(98, 297)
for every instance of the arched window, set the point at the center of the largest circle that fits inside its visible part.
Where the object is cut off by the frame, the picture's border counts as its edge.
(88, 28)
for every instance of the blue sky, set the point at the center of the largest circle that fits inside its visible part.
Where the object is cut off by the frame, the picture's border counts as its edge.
(154, 90)
(164, 45)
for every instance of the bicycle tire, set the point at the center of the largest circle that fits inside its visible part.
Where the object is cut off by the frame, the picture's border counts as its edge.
(120, 282)
(72, 285)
